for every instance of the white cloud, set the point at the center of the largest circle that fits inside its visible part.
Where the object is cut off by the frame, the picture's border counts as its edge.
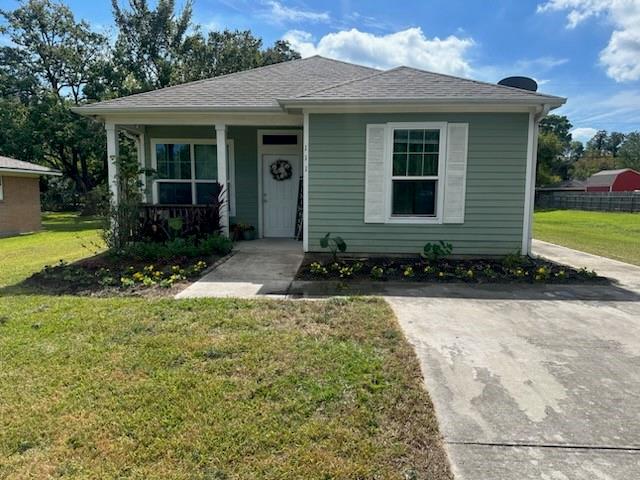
(621, 57)
(583, 134)
(408, 47)
(280, 13)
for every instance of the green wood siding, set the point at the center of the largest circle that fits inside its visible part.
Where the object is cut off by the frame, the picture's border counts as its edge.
(494, 196)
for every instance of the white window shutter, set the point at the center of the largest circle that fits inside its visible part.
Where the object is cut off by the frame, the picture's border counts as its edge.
(374, 190)
(455, 181)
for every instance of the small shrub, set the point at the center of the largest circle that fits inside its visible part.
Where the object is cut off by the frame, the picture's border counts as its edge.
(377, 272)
(179, 247)
(408, 272)
(346, 272)
(435, 251)
(542, 274)
(334, 244)
(514, 260)
(317, 269)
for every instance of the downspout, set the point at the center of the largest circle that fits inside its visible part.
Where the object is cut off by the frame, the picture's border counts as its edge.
(530, 187)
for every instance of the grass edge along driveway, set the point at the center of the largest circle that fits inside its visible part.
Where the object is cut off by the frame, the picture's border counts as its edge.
(613, 235)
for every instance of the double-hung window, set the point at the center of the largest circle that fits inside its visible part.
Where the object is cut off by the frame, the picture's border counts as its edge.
(417, 158)
(186, 172)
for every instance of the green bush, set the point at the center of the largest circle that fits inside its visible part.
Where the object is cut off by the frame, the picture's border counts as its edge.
(179, 247)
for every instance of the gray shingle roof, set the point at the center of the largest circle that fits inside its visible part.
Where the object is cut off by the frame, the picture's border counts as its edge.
(405, 83)
(247, 90)
(18, 166)
(605, 178)
(316, 80)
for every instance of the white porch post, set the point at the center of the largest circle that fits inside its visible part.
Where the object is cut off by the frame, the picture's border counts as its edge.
(112, 157)
(221, 146)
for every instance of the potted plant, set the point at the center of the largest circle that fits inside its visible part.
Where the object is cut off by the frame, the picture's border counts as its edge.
(248, 232)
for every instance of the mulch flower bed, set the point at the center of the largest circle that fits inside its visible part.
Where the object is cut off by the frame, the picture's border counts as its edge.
(106, 274)
(416, 269)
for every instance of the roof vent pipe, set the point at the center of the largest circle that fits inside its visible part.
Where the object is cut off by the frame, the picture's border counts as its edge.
(523, 83)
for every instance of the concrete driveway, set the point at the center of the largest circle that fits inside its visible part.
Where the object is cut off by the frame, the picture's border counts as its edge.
(530, 383)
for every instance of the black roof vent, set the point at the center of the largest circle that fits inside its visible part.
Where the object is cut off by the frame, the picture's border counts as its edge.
(523, 83)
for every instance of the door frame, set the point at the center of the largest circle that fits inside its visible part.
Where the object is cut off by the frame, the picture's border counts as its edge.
(273, 149)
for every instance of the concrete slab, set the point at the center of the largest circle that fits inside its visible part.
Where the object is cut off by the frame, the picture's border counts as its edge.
(259, 267)
(533, 382)
(489, 462)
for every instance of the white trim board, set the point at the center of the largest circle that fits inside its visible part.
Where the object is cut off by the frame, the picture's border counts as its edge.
(305, 183)
(194, 141)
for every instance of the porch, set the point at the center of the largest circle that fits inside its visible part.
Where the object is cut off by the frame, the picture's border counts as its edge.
(260, 167)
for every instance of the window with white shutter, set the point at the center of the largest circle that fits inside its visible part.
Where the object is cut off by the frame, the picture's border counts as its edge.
(416, 172)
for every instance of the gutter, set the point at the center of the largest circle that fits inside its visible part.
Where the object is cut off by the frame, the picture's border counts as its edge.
(54, 173)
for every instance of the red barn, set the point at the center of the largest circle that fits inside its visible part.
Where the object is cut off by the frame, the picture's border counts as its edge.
(623, 180)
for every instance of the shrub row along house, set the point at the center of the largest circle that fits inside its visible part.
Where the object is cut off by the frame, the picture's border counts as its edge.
(388, 160)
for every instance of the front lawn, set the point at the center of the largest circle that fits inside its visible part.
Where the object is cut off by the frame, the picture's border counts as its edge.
(610, 234)
(64, 236)
(211, 389)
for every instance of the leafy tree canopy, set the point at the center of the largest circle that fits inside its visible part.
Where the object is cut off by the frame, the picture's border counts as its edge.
(53, 62)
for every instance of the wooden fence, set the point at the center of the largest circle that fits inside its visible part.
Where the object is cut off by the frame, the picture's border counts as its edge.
(599, 201)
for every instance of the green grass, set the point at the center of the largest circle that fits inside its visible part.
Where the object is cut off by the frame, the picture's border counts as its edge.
(226, 389)
(610, 234)
(65, 236)
(206, 389)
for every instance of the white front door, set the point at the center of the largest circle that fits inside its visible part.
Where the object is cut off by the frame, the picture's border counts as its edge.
(280, 197)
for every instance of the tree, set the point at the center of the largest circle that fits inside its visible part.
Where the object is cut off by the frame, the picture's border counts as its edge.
(613, 142)
(575, 151)
(550, 159)
(50, 60)
(598, 143)
(592, 163)
(629, 154)
(150, 42)
(558, 125)
(280, 52)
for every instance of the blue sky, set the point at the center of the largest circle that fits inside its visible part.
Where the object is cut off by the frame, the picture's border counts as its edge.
(586, 50)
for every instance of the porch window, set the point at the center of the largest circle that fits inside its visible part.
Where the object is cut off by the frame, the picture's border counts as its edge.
(186, 172)
(415, 169)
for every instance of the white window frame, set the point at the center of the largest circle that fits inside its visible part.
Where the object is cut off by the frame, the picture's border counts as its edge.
(1, 188)
(440, 178)
(231, 173)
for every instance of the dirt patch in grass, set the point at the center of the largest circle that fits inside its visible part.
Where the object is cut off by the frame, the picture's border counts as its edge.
(512, 269)
(212, 389)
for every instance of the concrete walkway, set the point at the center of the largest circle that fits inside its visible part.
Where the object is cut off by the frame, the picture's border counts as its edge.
(625, 274)
(258, 267)
(532, 385)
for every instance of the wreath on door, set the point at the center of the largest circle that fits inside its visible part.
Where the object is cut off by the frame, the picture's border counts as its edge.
(281, 170)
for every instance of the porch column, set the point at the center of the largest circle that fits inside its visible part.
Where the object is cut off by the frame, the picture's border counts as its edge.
(221, 146)
(113, 150)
